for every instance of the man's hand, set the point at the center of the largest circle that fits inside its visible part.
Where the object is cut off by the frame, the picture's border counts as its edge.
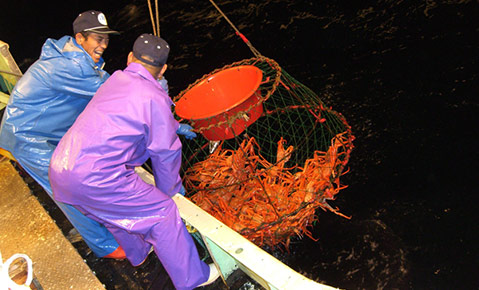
(163, 83)
(185, 130)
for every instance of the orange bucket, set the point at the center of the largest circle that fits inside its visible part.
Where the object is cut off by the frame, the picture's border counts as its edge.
(225, 103)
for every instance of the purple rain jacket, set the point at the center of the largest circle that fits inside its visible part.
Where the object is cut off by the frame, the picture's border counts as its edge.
(128, 121)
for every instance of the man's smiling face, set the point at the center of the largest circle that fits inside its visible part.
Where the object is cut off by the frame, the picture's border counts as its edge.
(95, 44)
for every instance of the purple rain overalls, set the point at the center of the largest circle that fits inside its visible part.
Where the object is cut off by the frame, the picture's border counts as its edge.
(128, 121)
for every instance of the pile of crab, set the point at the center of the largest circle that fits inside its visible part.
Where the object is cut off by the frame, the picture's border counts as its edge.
(267, 203)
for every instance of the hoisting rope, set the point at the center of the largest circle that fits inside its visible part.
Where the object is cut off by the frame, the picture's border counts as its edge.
(156, 28)
(254, 50)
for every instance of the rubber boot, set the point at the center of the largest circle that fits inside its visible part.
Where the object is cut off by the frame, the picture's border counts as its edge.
(117, 254)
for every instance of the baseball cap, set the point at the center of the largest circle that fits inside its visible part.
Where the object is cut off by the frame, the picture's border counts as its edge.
(92, 21)
(152, 46)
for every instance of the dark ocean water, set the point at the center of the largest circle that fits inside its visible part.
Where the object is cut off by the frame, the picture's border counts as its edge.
(403, 73)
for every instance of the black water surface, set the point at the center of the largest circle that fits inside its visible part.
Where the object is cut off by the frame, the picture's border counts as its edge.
(403, 73)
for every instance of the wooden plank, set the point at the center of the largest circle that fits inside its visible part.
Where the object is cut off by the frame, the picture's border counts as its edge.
(25, 227)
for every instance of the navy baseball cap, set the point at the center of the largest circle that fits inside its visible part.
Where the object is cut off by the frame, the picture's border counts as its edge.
(92, 21)
(152, 46)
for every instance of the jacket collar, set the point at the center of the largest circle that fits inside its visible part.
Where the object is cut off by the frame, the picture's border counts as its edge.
(142, 71)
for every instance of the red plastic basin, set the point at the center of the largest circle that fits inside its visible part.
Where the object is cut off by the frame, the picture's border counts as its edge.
(230, 95)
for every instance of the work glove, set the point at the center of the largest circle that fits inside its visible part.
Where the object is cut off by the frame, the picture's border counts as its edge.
(185, 130)
(164, 84)
(182, 190)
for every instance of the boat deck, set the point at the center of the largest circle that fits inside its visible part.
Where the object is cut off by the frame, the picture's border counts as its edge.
(30, 226)
(25, 227)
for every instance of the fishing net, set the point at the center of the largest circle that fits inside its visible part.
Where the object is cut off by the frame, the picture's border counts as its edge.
(269, 151)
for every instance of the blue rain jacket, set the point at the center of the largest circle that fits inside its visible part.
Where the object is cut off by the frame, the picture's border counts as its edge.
(46, 101)
(128, 121)
(43, 105)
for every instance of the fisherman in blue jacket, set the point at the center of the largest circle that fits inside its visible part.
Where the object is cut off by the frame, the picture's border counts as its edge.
(46, 101)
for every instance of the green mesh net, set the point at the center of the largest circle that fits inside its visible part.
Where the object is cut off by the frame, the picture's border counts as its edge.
(269, 152)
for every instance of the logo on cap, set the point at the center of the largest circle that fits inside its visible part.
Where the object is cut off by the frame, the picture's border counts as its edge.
(102, 19)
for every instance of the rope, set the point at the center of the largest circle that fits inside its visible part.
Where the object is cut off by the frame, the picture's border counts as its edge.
(156, 28)
(157, 19)
(151, 16)
(254, 50)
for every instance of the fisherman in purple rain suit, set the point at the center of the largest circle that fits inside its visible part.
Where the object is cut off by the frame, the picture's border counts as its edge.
(128, 121)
